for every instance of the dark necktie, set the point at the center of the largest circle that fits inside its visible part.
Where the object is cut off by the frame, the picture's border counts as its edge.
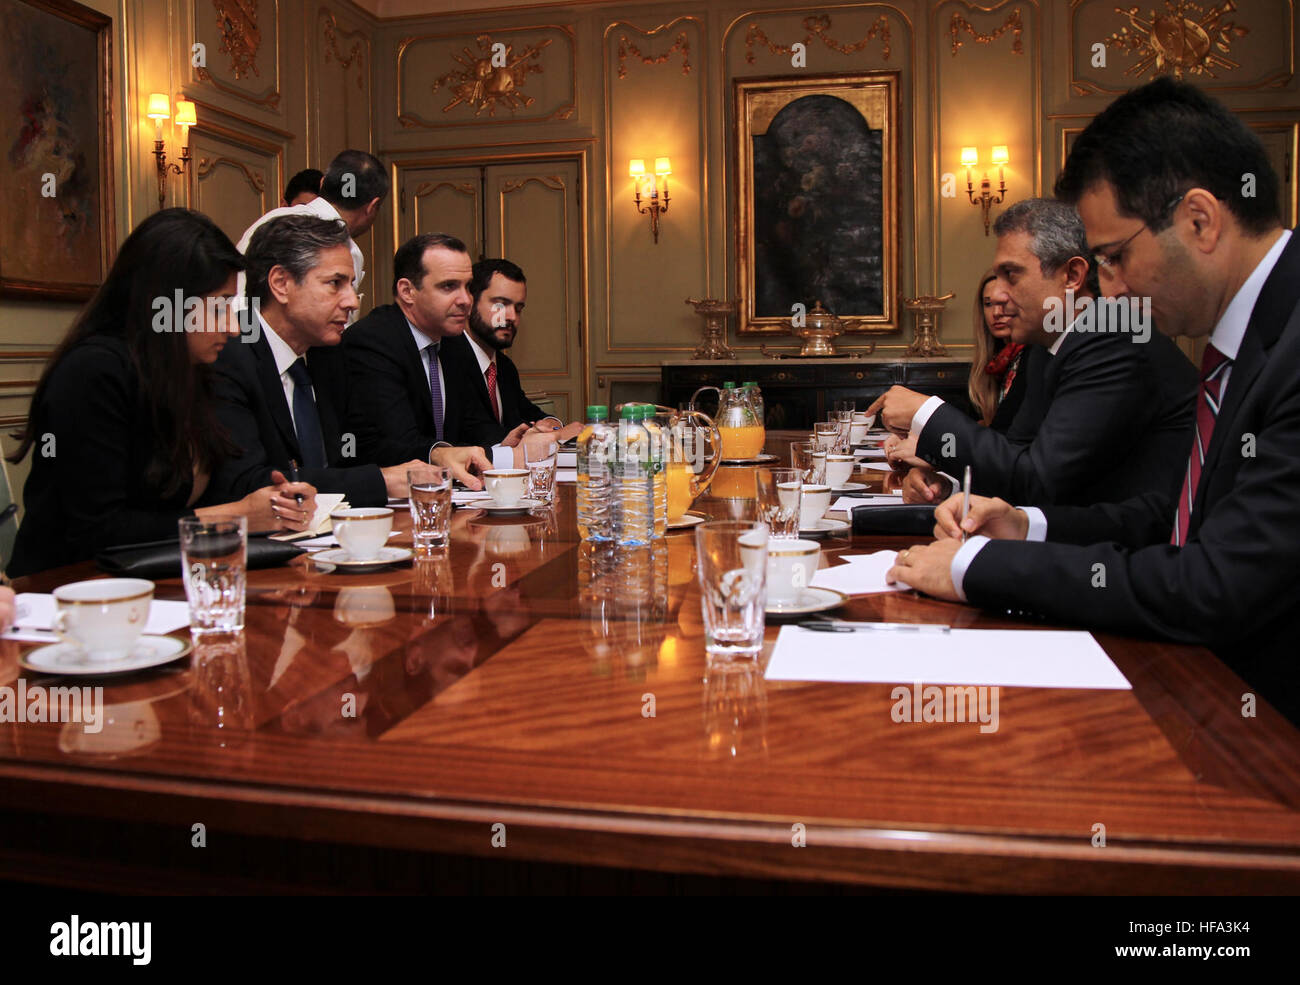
(306, 419)
(1213, 365)
(492, 389)
(435, 390)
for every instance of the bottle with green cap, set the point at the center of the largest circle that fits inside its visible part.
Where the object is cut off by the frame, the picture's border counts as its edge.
(633, 475)
(659, 463)
(595, 480)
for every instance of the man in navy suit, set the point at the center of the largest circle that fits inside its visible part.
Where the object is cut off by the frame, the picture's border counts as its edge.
(483, 373)
(1180, 205)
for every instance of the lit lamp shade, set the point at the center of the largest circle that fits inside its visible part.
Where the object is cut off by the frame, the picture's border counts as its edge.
(185, 113)
(636, 168)
(969, 157)
(662, 166)
(159, 106)
(1000, 155)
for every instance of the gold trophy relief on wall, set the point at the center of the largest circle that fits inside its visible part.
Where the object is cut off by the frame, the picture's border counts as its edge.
(495, 77)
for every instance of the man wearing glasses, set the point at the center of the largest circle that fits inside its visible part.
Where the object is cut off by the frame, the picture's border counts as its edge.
(1179, 196)
(1110, 414)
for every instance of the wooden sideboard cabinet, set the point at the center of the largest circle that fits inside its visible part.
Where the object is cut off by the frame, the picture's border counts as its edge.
(799, 392)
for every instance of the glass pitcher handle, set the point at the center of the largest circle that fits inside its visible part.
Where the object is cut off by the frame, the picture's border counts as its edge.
(701, 421)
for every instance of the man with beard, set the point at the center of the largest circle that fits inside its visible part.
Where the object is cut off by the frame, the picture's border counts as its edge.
(478, 369)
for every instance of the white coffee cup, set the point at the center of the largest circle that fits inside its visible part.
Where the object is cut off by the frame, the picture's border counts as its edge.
(363, 531)
(506, 486)
(838, 469)
(816, 501)
(857, 432)
(791, 565)
(103, 617)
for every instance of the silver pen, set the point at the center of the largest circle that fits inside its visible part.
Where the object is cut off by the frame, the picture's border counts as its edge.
(840, 626)
(965, 501)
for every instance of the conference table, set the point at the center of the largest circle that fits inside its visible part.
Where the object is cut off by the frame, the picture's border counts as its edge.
(495, 717)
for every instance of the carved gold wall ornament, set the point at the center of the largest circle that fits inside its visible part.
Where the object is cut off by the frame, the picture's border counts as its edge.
(355, 54)
(485, 85)
(817, 26)
(240, 37)
(1171, 43)
(1012, 24)
(626, 46)
(207, 164)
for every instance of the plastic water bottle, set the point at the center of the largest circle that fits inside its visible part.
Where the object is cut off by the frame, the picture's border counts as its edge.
(659, 459)
(595, 490)
(633, 474)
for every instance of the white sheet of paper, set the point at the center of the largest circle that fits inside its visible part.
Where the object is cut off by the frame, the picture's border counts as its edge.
(863, 576)
(460, 497)
(1001, 657)
(35, 622)
(869, 453)
(877, 466)
(566, 475)
(326, 503)
(846, 504)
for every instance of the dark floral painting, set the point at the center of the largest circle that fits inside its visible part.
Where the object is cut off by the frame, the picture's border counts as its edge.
(817, 210)
(817, 200)
(54, 128)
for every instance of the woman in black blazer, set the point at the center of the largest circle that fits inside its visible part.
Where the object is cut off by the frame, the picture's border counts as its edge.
(121, 429)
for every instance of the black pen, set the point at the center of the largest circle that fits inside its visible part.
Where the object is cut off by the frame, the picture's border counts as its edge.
(293, 477)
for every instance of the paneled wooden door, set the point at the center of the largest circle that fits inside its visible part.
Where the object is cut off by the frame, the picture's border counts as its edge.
(529, 212)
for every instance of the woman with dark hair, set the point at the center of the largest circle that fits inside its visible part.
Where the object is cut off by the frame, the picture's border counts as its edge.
(122, 431)
(996, 386)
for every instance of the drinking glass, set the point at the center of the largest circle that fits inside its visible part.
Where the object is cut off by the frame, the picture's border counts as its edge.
(430, 504)
(732, 566)
(844, 421)
(810, 459)
(214, 562)
(826, 433)
(540, 457)
(779, 494)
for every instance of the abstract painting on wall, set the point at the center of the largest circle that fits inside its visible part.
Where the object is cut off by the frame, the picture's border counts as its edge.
(56, 202)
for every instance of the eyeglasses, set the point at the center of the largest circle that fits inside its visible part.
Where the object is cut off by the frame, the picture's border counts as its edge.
(1114, 259)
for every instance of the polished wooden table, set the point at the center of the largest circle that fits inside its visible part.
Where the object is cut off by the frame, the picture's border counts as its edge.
(504, 716)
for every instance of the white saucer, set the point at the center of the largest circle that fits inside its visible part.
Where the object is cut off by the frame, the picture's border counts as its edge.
(686, 520)
(339, 558)
(810, 600)
(64, 658)
(761, 459)
(826, 526)
(523, 506)
(849, 487)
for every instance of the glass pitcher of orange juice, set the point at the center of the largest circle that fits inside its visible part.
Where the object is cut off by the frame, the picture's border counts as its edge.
(692, 454)
(737, 421)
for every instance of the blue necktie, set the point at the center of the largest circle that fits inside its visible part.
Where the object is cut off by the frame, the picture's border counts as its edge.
(305, 418)
(435, 390)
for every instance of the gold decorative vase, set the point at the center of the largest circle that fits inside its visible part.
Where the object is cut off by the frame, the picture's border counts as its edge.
(925, 336)
(714, 312)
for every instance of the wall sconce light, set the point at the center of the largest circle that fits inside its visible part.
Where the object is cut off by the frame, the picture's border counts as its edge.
(986, 199)
(658, 202)
(186, 117)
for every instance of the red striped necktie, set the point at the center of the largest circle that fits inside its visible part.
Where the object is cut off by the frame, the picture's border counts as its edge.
(492, 388)
(1213, 365)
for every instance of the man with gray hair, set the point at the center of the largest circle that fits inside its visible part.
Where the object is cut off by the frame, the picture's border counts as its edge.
(283, 394)
(1112, 411)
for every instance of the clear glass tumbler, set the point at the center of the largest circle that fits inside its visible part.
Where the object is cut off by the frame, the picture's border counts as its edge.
(214, 563)
(430, 504)
(779, 495)
(732, 566)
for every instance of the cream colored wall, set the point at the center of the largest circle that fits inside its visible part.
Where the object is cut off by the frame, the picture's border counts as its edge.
(328, 77)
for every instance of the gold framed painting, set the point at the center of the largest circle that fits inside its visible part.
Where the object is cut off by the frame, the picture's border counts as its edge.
(817, 200)
(56, 136)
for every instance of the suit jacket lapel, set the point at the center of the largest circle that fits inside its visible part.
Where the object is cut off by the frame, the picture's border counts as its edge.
(269, 380)
(1277, 300)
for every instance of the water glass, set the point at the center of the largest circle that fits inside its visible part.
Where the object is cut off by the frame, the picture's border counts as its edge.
(732, 565)
(540, 458)
(826, 433)
(810, 459)
(214, 563)
(430, 504)
(844, 421)
(779, 494)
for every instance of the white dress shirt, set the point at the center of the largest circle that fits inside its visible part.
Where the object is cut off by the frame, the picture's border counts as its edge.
(485, 360)
(284, 358)
(502, 457)
(1226, 337)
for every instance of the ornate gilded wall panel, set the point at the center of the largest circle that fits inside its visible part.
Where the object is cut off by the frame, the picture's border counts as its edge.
(236, 177)
(236, 59)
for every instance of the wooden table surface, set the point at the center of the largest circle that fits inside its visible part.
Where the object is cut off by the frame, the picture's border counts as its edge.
(419, 709)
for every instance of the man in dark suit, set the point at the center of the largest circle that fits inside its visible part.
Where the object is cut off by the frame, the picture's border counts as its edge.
(1158, 178)
(1114, 399)
(281, 393)
(477, 365)
(404, 398)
